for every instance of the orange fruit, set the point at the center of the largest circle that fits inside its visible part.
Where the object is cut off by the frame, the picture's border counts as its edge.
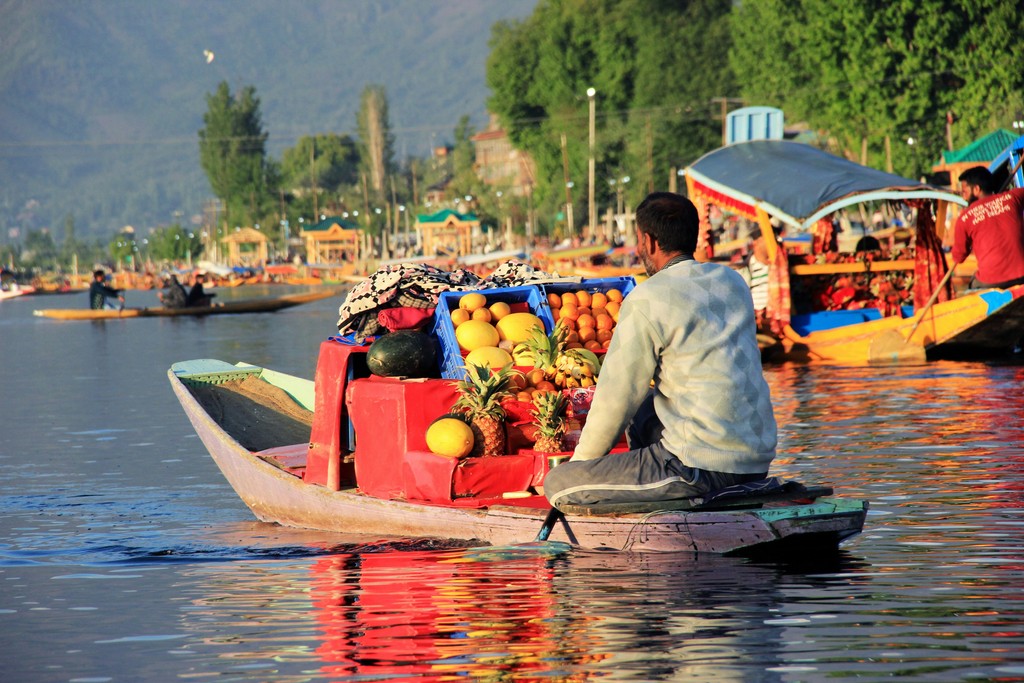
(584, 310)
(472, 301)
(587, 333)
(573, 345)
(524, 396)
(598, 310)
(593, 345)
(585, 321)
(598, 300)
(518, 380)
(583, 297)
(568, 323)
(605, 344)
(613, 309)
(499, 309)
(614, 295)
(545, 386)
(533, 377)
(459, 316)
(569, 298)
(568, 312)
(603, 335)
(572, 337)
(604, 322)
(554, 300)
(482, 314)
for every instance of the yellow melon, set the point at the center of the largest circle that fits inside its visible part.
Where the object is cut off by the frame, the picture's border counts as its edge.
(489, 357)
(474, 334)
(516, 327)
(450, 437)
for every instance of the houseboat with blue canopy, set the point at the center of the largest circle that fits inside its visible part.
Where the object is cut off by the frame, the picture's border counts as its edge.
(827, 305)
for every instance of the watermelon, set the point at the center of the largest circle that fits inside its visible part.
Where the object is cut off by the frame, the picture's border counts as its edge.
(403, 353)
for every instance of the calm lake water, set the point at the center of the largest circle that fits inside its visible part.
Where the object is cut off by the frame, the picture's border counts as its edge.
(124, 555)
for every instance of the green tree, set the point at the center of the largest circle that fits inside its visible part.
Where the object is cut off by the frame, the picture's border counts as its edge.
(40, 251)
(232, 151)
(376, 142)
(328, 162)
(863, 71)
(175, 244)
(655, 65)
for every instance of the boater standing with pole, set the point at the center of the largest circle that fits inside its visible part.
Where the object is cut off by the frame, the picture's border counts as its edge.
(707, 422)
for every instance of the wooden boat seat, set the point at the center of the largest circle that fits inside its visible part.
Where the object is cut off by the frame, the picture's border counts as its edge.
(790, 492)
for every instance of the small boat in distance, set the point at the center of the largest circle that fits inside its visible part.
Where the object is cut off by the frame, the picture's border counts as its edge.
(232, 307)
(282, 444)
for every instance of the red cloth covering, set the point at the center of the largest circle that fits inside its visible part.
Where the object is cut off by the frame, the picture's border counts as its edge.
(822, 236)
(705, 241)
(404, 318)
(779, 300)
(929, 259)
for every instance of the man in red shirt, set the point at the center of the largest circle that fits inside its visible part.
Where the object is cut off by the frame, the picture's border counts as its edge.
(992, 226)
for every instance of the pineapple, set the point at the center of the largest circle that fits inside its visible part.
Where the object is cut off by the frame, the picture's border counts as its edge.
(542, 349)
(549, 416)
(480, 397)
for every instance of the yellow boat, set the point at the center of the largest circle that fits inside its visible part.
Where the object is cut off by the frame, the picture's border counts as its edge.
(802, 186)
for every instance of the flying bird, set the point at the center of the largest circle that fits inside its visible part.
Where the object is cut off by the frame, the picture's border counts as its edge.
(209, 55)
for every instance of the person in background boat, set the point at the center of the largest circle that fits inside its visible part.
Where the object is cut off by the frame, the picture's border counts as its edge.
(197, 296)
(992, 226)
(175, 296)
(100, 293)
(708, 421)
(755, 272)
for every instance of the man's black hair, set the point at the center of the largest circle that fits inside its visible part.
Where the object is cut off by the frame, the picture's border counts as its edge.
(980, 177)
(671, 219)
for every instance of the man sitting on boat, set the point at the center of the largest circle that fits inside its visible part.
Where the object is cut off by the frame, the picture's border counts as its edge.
(175, 296)
(993, 228)
(708, 422)
(100, 292)
(197, 296)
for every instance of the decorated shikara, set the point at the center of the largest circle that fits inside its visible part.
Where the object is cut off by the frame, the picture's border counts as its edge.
(346, 453)
(813, 307)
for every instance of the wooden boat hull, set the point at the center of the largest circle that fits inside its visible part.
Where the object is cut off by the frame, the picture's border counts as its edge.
(233, 307)
(277, 494)
(978, 326)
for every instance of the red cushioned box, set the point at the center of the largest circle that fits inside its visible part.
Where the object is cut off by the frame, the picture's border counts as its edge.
(390, 417)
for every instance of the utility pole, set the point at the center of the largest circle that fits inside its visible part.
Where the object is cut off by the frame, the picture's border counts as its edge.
(725, 102)
(568, 189)
(312, 175)
(591, 202)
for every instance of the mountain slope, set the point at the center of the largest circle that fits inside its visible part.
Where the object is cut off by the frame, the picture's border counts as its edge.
(101, 100)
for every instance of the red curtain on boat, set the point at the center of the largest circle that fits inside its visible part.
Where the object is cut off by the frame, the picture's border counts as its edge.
(929, 259)
(823, 236)
(705, 241)
(779, 301)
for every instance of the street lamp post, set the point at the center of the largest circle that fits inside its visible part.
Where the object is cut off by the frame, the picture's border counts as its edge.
(591, 206)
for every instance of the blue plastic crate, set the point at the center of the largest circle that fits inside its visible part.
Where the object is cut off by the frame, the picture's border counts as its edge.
(451, 360)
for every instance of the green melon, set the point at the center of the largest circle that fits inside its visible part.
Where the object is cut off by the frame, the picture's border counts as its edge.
(404, 353)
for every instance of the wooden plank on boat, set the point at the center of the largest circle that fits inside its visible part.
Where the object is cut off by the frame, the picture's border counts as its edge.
(855, 267)
(787, 495)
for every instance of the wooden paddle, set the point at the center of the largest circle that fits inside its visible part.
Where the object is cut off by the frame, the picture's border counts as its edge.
(891, 346)
(549, 522)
